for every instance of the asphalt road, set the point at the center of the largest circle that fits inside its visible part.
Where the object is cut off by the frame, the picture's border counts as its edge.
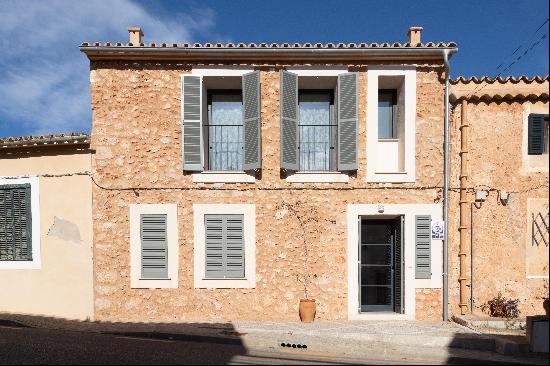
(44, 346)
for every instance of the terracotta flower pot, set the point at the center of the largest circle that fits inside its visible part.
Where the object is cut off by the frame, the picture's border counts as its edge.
(307, 310)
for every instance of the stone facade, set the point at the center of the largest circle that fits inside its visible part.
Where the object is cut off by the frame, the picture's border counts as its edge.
(498, 162)
(137, 137)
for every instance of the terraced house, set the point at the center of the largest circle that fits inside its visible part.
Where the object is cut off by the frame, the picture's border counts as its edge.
(231, 181)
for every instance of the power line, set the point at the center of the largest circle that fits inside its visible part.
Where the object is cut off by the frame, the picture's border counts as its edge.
(517, 59)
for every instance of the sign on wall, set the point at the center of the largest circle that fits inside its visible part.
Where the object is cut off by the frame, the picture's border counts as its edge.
(438, 229)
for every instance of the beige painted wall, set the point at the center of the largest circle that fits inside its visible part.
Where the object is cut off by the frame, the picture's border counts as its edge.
(62, 287)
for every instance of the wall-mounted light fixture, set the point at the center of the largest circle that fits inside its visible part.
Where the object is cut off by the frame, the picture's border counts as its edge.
(503, 195)
(481, 196)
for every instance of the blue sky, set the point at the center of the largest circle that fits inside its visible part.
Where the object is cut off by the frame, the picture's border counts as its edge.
(44, 79)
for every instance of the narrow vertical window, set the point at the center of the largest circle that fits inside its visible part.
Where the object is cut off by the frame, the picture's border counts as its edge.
(154, 246)
(387, 126)
(224, 246)
(225, 131)
(317, 131)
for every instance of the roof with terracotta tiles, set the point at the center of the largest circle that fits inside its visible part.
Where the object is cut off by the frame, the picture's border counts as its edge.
(509, 88)
(47, 140)
(272, 45)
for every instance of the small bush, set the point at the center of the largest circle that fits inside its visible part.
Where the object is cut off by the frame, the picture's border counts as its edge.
(501, 307)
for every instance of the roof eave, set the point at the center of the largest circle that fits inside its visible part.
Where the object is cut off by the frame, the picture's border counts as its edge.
(268, 54)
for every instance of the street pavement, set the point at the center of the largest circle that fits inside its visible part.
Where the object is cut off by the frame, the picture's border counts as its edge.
(26, 345)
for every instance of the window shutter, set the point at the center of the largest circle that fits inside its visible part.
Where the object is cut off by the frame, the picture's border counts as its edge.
(536, 134)
(214, 229)
(289, 120)
(234, 246)
(15, 223)
(422, 246)
(154, 246)
(252, 142)
(192, 117)
(224, 246)
(347, 121)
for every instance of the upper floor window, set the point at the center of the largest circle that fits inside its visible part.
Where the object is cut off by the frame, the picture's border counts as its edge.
(538, 134)
(387, 122)
(221, 120)
(317, 130)
(224, 130)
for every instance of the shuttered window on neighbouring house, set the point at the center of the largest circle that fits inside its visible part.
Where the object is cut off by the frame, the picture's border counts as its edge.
(15, 223)
(227, 134)
(537, 139)
(154, 246)
(224, 246)
(423, 246)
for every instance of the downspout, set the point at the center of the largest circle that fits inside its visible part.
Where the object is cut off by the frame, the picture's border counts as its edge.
(463, 227)
(446, 192)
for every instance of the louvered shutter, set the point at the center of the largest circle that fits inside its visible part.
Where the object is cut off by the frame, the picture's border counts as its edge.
(15, 223)
(347, 121)
(422, 246)
(154, 246)
(224, 246)
(289, 120)
(192, 122)
(252, 142)
(536, 134)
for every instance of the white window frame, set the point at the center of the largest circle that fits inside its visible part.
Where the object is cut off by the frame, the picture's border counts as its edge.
(249, 213)
(171, 212)
(532, 163)
(211, 176)
(36, 262)
(409, 172)
(323, 176)
(410, 282)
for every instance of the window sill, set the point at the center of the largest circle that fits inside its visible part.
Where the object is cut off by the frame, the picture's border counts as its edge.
(34, 264)
(390, 172)
(388, 140)
(214, 283)
(318, 177)
(223, 177)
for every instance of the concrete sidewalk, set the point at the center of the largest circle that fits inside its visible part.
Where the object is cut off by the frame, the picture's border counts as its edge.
(441, 340)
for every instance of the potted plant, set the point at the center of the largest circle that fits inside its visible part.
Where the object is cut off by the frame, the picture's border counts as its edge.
(307, 218)
(545, 305)
(502, 307)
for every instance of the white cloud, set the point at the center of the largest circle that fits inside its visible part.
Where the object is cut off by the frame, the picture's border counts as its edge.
(44, 79)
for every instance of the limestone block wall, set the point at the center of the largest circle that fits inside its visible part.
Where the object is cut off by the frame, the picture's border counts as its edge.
(503, 249)
(137, 137)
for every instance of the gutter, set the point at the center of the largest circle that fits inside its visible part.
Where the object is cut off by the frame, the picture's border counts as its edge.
(131, 52)
(447, 54)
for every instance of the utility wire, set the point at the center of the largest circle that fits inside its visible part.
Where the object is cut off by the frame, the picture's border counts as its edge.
(517, 59)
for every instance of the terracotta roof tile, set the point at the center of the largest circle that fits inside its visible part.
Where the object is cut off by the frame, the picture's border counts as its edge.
(502, 80)
(46, 140)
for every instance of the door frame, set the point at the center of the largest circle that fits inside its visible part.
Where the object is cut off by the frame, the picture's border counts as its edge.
(410, 284)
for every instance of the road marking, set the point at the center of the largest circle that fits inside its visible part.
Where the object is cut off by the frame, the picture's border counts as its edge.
(307, 353)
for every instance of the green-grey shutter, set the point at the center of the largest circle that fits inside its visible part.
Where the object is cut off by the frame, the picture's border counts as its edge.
(192, 117)
(347, 121)
(252, 142)
(154, 246)
(15, 223)
(224, 246)
(536, 134)
(289, 120)
(423, 240)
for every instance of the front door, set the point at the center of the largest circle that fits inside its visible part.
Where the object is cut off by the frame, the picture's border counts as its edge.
(380, 272)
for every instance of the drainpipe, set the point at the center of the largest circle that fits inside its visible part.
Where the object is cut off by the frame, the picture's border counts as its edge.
(463, 227)
(446, 55)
